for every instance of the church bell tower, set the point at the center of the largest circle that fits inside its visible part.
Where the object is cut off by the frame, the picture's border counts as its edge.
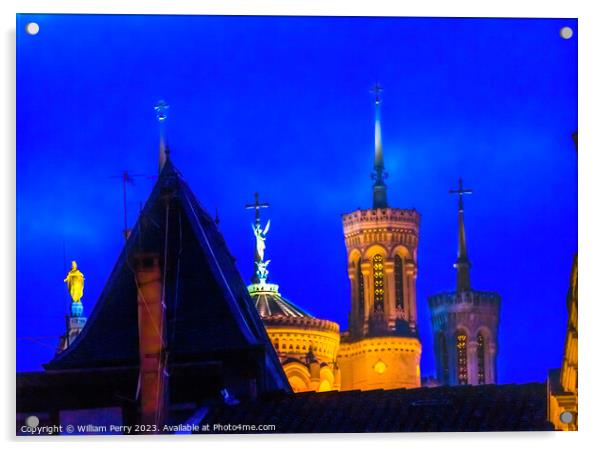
(382, 244)
(382, 342)
(465, 322)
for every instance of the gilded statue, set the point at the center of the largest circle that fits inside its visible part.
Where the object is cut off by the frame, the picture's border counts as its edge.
(75, 283)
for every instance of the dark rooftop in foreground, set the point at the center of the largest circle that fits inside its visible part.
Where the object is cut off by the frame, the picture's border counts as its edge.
(508, 407)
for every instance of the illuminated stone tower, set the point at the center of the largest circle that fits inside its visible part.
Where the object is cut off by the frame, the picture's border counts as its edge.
(465, 322)
(381, 349)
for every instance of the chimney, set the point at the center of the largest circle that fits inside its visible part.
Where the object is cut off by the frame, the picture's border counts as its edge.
(151, 320)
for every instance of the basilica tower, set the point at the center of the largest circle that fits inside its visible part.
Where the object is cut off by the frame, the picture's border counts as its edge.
(465, 322)
(381, 348)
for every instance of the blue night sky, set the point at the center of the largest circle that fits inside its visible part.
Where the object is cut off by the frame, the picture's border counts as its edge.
(281, 105)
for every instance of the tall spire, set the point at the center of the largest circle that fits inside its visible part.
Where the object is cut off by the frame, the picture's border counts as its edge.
(379, 188)
(161, 112)
(261, 273)
(462, 264)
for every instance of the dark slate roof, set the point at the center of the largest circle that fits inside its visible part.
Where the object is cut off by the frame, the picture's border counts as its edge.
(208, 307)
(509, 407)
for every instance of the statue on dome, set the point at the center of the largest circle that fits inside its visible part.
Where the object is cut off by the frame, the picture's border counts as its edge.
(260, 240)
(262, 271)
(75, 283)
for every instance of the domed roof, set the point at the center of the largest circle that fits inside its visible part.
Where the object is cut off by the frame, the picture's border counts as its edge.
(270, 303)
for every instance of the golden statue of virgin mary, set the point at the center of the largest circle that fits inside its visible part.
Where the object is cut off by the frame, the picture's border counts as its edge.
(75, 283)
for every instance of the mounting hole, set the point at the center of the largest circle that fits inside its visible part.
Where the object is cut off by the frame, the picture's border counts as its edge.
(32, 421)
(32, 28)
(566, 417)
(566, 32)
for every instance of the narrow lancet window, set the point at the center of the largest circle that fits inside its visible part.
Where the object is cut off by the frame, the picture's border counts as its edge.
(481, 358)
(461, 358)
(360, 293)
(379, 282)
(398, 283)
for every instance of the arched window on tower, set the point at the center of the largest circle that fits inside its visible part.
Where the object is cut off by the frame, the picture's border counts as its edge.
(379, 282)
(480, 358)
(398, 283)
(444, 358)
(461, 358)
(360, 289)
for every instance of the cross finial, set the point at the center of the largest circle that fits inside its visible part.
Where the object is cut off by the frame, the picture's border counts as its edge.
(376, 90)
(161, 108)
(257, 206)
(460, 191)
(462, 264)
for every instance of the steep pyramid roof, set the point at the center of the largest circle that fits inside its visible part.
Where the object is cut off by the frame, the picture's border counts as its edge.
(208, 308)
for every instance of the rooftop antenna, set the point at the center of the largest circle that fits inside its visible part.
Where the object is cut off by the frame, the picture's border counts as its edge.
(126, 178)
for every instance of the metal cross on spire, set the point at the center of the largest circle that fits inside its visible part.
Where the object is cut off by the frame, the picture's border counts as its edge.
(257, 206)
(376, 90)
(161, 108)
(460, 191)
(462, 263)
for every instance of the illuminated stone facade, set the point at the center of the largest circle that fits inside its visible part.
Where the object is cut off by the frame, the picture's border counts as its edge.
(307, 346)
(381, 350)
(381, 362)
(562, 384)
(385, 237)
(465, 328)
